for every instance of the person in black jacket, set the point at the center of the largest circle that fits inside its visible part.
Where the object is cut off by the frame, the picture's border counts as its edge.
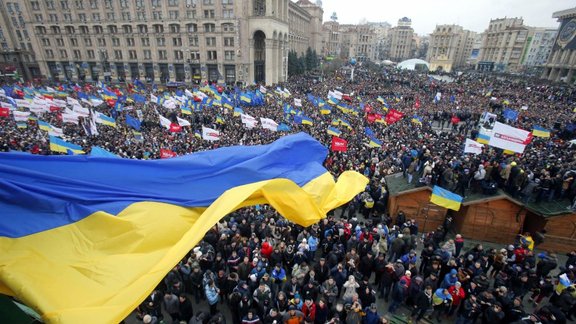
(469, 311)
(422, 303)
(186, 311)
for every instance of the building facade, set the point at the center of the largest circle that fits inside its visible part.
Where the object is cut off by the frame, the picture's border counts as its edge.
(503, 45)
(305, 26)
(561, 63)
(450, 47)
(402, 41)
(230, 41)
(539, 46)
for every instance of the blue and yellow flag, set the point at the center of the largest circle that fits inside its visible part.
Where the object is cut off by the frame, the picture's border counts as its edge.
(325, 110)
(334, 131)
(238, 111)
(417, 120)
(44, 126)
(219, 120)
(186, 110)
(445, 198)
(344, 122)
(374, 142)
(307, 120)
(540, 131)
(59, 145)
(90, 226)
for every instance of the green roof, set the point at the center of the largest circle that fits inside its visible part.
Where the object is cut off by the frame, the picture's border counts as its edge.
(398, 185)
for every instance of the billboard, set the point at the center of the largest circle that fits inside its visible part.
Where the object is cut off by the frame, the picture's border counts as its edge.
(566, 38)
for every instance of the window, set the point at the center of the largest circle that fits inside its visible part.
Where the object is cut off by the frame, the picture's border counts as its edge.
(35, 5)
(228, 41)
(229, 55)
(55, 29)
(130, 42)
(161, 41)
(40, 30)
(112, 29)
(74, 42)
(127, 29)
(45, 42)
(195, 55)
(77, 54)
(259, 7)
(141, 15)
(79, 4)
(227, 27)
(53, 17)
(63, 53)
(172, 3)
(38, 17)
(59, 42)
(94, 4)
(158, 29)
(67, 17)
(192, 28)
(123, 4)
(70, 30)
(174, 28)
(227, 13)
(212, 55)
(156, 3)
(115, 41)
(209, 13)
(87, 41)
(132, 55)
(101, 42)
(50, 5)
(108, 4)
(126, 16)
(49, 53)
(139, 3)
(84, 30)
(147, 54)
(177, 41)
(117, 54)
(162, 55)
(208, 2)
(157, 15)
(173, 14)
(98, 30)
(142, 29)
(193, 41)
(145, 41)
(227, 2)
(178, 55)
(96, 16)
(90, 54)
(210, 41)
(82, 17)
(191, 14)
(209, 28)
(110, 16)
(64, 4)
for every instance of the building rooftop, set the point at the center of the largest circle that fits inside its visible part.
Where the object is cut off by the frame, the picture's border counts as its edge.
(567, 13)
(397, 185)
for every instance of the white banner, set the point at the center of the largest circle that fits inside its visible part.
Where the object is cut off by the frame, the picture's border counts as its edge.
(165, 122)
(473, 147)
(22, 103)
(21, 116)
(248, 121)
(55, 131)
(263, 89)
(297, 102)
(70, 118)
(72, 101)
(81, 111)
(268, 123)
(183, 122)
(210, 134)
(509, 138)
(337, 94)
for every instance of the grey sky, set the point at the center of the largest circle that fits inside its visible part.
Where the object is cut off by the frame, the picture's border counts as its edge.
(426, 14)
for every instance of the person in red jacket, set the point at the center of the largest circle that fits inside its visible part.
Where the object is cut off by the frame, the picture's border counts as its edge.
(458, 296)
(309, 311)
(266, 249)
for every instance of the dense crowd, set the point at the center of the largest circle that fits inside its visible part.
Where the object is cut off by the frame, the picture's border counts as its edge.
(266, 270)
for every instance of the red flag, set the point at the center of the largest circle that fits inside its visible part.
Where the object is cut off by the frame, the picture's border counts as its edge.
(455, 119)
(367, 108)
(527, 141)
(417, 103)
(197, 99)
(339, 144)
(175, 128)
(4, 112)
(346, 97)
(166, 154)
(393, 116)
(54, 108)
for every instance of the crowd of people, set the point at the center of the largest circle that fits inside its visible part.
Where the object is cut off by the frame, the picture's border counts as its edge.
(266, 270)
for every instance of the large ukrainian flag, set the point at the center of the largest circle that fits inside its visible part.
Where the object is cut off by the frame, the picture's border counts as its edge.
(445, 198)
(85, 239)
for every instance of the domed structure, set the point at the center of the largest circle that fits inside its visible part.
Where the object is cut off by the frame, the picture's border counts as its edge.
(414, 64)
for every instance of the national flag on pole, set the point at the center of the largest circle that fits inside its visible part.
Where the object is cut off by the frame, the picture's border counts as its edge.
(471, 146)
(44, 126)
(339, 144)
(105, 120)
(374, 142)
(445, 198)
(133, 122)
(210, 134)
(59, 145)
(540, 131)
(238, 111)
(334, 131)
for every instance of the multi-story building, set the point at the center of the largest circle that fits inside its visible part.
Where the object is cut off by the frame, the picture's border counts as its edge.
(305, 26)
(349, 41)
(381, 43)
(402, 41)
(561, 63)
(331, 39)
(16, 51)
(164, 40)
(450, 47)
(538, 46)
(503, 44)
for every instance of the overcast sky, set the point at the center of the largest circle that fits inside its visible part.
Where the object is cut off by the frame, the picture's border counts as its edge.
(426, 14)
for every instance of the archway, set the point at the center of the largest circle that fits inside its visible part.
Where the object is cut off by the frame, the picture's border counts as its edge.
(259, 56)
